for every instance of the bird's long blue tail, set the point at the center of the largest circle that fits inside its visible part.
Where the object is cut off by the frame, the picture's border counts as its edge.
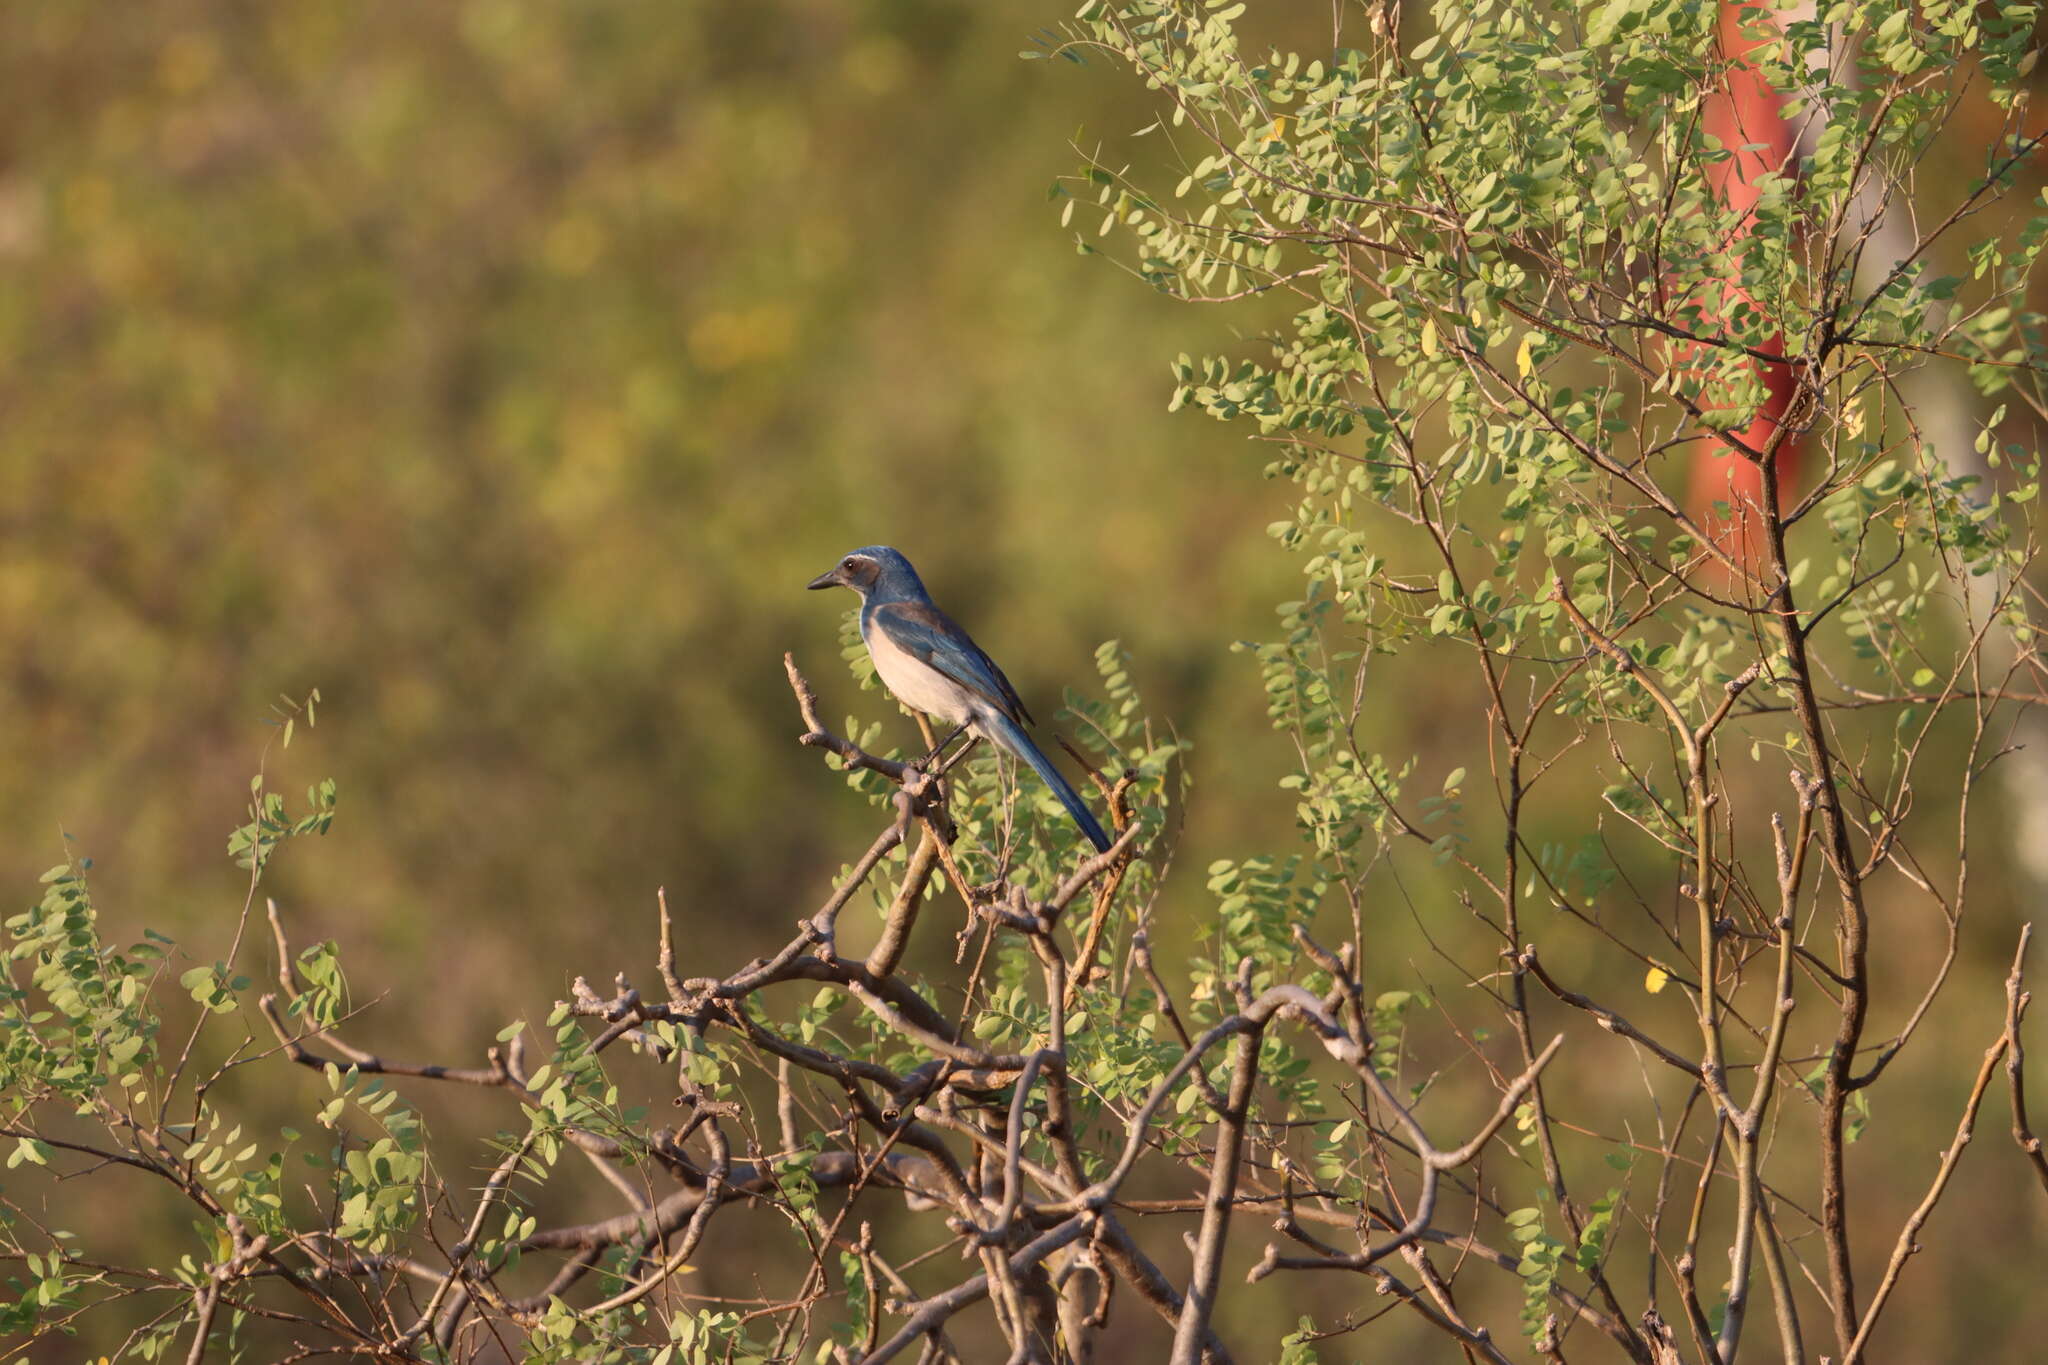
(1011, 736)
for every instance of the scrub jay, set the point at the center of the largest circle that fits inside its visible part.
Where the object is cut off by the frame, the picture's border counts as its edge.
(928, 662)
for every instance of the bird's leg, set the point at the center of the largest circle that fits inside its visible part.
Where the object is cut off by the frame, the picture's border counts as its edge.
(959, 754)
(940, 747)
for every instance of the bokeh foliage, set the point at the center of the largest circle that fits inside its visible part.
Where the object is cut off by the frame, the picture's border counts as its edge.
(505, 371)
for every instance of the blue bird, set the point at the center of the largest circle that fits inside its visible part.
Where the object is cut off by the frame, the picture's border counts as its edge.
(931, 665)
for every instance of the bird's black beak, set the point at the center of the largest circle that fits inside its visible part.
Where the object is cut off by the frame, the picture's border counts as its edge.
(825, 580)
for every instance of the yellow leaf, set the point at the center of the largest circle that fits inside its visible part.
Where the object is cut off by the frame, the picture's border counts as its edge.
(1279, 130)
(1523, 364)
(1654, 979)
(1429, 337)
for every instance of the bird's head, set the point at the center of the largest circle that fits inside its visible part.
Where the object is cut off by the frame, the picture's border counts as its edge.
(872, 570)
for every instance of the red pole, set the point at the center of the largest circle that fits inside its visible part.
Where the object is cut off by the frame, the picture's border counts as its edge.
(1747, 117)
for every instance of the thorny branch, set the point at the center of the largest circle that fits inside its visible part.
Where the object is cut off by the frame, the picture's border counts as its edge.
(974, 1143)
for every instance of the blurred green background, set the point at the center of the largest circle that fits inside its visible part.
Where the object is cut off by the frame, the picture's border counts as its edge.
(505, 370)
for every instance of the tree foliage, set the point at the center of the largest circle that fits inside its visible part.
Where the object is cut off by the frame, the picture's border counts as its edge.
(1520, 308)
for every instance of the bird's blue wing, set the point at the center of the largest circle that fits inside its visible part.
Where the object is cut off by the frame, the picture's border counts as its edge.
(928, 634)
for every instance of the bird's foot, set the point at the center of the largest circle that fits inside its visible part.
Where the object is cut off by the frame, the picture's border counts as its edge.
(930, 762)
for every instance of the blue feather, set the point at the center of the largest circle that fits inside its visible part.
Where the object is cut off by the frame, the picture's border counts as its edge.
(932, 665)
(1011, 736)
(928, 633)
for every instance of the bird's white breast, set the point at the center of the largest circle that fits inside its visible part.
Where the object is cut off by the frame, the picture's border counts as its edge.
(916, 683)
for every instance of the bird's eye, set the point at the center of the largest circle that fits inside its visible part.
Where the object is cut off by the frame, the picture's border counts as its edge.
(848, 565)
